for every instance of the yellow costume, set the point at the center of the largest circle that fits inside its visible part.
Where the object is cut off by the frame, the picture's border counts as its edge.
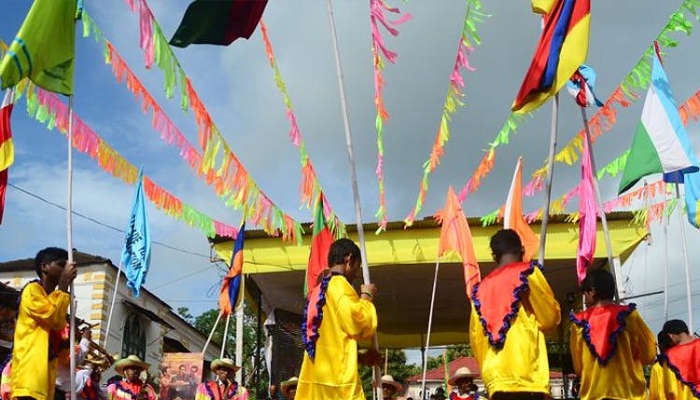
(506, 332)
(676, 374)
(609, 347)
(39, 313)
(332, 374)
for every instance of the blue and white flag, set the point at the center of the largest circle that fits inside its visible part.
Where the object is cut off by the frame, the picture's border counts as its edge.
(582, 85)
(136, 255)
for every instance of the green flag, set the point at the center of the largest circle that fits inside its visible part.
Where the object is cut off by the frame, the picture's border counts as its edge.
(44, 49)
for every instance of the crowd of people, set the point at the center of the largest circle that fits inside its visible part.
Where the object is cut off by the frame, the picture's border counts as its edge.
(512, 309)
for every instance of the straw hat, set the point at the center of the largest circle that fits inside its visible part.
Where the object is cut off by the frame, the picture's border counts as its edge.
(389, 380)
(288, 385)
(131, 361)
(224, 363)
(463, 372)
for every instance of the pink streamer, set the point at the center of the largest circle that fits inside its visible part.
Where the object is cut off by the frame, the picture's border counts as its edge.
(462, 61)
(588, 212)
(84, 139)
(294, 134)
(146, 32)
(222, 229)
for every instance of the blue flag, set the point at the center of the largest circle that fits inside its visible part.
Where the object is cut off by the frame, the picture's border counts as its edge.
(136, 255)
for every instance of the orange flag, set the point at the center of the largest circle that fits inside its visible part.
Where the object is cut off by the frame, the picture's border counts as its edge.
(513, 214)
(456, 236)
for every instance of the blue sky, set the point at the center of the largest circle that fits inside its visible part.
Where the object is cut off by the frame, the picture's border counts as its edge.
(236, 85)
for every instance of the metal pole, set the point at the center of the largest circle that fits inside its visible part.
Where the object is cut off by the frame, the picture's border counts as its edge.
(211, 334)
(69, 236)
(225, 339)
(686, 264)
(430, 324)
(257, 346)
(239, 342)
(550, 176)
(599, 200)
(666, 268)
(386, 361)
(353, 172)
(111, 307)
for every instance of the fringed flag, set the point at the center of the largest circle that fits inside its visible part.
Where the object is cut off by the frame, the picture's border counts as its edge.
(7, 149)
(513, 214)
(231, 293)
(320, 245)
(562, 48)
(581, 86)
(588, 210)
(455, 236)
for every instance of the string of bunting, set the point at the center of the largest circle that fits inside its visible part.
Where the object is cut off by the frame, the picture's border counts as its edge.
(637, 79)
(690, 109)
(310, 185)
(468, 38)
(218, 164)
(377, 13)
(48, 109)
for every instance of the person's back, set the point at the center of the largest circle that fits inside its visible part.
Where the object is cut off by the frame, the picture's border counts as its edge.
(610, 343)
(676, 374)
(511, 308)
(335, 318)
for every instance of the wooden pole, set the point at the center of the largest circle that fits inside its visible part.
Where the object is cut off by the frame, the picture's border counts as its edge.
(224, 340)
(211, 334)
(239, 342)
(550, 176)
(430, 324)
(111, 307)
(599, 200)
(353, 174)
(69, 237)
(686, 264)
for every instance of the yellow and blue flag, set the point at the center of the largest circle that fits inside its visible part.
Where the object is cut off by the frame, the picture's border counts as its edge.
(136, 255)
(231, 287)
(562, 48)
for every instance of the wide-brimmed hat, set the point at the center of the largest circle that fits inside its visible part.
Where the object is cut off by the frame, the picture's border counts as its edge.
(389, 380)
(131, 361)
(93, 360)
(288, 385)
(224, 363)
(463, 372)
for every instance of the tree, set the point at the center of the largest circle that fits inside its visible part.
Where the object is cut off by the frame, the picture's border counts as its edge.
(397, 368)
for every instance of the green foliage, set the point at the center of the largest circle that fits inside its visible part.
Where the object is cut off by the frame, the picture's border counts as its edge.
(397, 368)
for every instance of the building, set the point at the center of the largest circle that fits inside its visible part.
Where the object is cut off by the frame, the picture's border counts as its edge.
(145, 326)
(435, 378)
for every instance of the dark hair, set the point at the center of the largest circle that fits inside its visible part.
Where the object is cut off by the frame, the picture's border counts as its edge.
(506, 241)
(675, 327)
(664, 341)
(47, 256)
(340, 249)
(600, 280)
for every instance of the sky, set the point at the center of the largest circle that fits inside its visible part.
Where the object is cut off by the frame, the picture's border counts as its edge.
(237, 86)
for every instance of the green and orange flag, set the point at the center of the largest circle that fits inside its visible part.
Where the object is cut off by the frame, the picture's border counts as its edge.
(320, 245)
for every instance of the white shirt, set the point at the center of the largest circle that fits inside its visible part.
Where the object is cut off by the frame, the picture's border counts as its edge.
(63, 372)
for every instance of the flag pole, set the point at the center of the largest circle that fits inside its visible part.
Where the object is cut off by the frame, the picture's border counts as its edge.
(430, 325)
(223, 341)
(666, 265)
(550, 176)
(111, 307)
(239, 339)
(599, 200)
(211, 334)
(689, 296)
(69, 237)
(353, 175)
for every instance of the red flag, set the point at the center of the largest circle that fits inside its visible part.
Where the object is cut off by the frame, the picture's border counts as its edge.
(320, 245)
(7, 151)
(513, 214)
(456, 236)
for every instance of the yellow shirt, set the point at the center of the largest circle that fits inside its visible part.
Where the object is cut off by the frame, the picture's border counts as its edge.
(38, 314)
(333, 372)
(521, 365)
(664, 383)
(622, 377)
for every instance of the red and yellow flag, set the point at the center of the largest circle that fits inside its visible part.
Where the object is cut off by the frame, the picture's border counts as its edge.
(7, 149)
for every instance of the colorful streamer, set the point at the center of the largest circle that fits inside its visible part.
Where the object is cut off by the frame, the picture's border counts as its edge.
(377, 13)
(636, 80)
(218, 165)
(48, 109)
(453, 100)
(310, 186)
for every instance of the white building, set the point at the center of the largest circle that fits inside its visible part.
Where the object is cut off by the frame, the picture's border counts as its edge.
(145, 326)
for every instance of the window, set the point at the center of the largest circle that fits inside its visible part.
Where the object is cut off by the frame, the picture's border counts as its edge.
(134, 341)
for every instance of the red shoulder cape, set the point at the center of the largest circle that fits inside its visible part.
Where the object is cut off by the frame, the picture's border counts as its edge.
(684, 361)
(601, 327)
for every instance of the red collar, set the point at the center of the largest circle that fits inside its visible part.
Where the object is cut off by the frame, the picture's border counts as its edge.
(601, 326)
(684, 361)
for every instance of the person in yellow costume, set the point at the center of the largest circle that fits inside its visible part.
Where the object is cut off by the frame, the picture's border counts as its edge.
(676, 374)
(512, 307)
(610, 343)
(42, 315)
(335, 318)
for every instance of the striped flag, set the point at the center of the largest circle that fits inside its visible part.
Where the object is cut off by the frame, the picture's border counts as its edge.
(513, 214)
(7, 149)
(231, 293)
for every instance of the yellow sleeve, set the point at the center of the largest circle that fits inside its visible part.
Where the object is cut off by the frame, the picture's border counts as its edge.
(476, 336)
(49, 310)
(576, 346)
(656, 383)
(358, 317)
(644, 345)
(542, 301)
